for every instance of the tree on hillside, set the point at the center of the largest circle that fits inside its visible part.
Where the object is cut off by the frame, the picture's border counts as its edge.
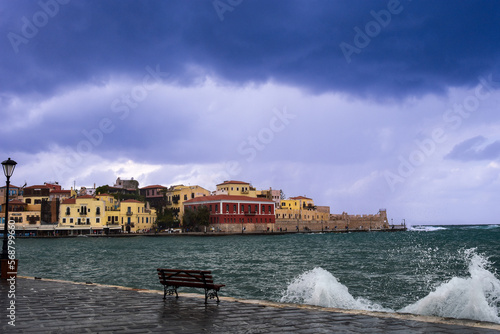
(102, 189)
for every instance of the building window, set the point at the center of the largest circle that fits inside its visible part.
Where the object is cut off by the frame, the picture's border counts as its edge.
(98, 211)
(71, 220)
(185, 197)
(28, 200)
(227, 207)
(192, 195)
(234, 208)
(98, 220)
(68, 211)
(64, 220)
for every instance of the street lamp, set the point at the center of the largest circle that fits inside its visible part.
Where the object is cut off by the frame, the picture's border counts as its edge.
(8, 169)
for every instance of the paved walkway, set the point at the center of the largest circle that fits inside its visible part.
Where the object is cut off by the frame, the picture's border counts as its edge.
(48, 306)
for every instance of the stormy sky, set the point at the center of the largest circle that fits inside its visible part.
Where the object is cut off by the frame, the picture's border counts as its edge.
(360, 105)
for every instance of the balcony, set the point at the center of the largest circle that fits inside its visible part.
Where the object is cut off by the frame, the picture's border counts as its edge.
(129, 213)
(83, 213)
(244, 191)
(251, 213)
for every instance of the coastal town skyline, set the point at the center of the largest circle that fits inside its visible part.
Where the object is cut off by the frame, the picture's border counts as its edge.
(382, 104)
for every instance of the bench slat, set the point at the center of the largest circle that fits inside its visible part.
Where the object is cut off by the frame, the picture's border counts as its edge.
(185, 271)
(194, 285)
(185, 275)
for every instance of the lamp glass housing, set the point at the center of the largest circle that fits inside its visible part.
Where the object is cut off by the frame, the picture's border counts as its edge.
(8, 167)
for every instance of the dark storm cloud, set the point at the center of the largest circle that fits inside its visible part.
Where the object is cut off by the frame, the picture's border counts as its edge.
(475, 148)
(421, 47)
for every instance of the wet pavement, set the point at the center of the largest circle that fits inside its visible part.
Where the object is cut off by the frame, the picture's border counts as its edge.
(50, 306)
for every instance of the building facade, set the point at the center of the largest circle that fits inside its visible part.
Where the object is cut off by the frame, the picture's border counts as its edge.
(155, 195)
(236, 188)
(231, 213)
(177, 195)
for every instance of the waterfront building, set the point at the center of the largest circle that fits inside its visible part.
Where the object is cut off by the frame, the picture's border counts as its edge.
(34, 195)
(112, 213)
(155, 195)
(84, 213)
(301, 213)
(14, 192)
(232, 213)
(236, 188)
(177, 195)
(136, 216)
(104, 214)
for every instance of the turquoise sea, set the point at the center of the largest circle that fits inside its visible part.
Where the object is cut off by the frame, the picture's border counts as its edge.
(449, 271)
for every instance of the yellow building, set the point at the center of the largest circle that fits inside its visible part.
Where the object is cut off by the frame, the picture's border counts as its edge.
(302, 208)
(82, 215)
(177, 195)
(136, 216)
(112, 212)
(34, 195)
(104, 214)
(236, 188)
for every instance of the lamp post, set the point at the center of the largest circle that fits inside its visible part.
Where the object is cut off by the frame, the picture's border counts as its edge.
(8, 169)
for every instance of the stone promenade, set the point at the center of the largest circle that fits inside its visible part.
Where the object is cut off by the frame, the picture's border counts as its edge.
(48, 306)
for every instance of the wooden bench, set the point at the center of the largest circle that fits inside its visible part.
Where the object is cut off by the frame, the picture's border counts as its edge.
(174, 278)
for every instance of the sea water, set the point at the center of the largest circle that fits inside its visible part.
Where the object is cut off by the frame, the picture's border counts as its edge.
(448, 271)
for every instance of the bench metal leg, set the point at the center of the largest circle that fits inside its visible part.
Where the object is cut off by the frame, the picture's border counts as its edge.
(211, 293)
(169, 291)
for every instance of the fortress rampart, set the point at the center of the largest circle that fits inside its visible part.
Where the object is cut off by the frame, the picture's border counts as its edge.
(337, 222)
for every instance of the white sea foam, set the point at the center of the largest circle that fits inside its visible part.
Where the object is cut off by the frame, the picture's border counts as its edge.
(476, 297)
(319, 287)
(425, 228)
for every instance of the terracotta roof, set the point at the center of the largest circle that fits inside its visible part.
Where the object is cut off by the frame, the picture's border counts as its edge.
(131, 201)
(105, 194)
(62, 191)
(233, 182)
(37, 186)
(10, 186)
(69, 201)
(300, 197)
(86, 196)
(154, 187)
(16, 201)
(227, 197)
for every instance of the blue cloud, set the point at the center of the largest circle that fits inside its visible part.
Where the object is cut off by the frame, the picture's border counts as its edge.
(475, 149)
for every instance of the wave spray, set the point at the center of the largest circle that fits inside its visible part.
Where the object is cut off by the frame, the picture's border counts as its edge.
(476, 297)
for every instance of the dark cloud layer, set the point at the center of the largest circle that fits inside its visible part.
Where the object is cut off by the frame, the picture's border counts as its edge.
(425, 46)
